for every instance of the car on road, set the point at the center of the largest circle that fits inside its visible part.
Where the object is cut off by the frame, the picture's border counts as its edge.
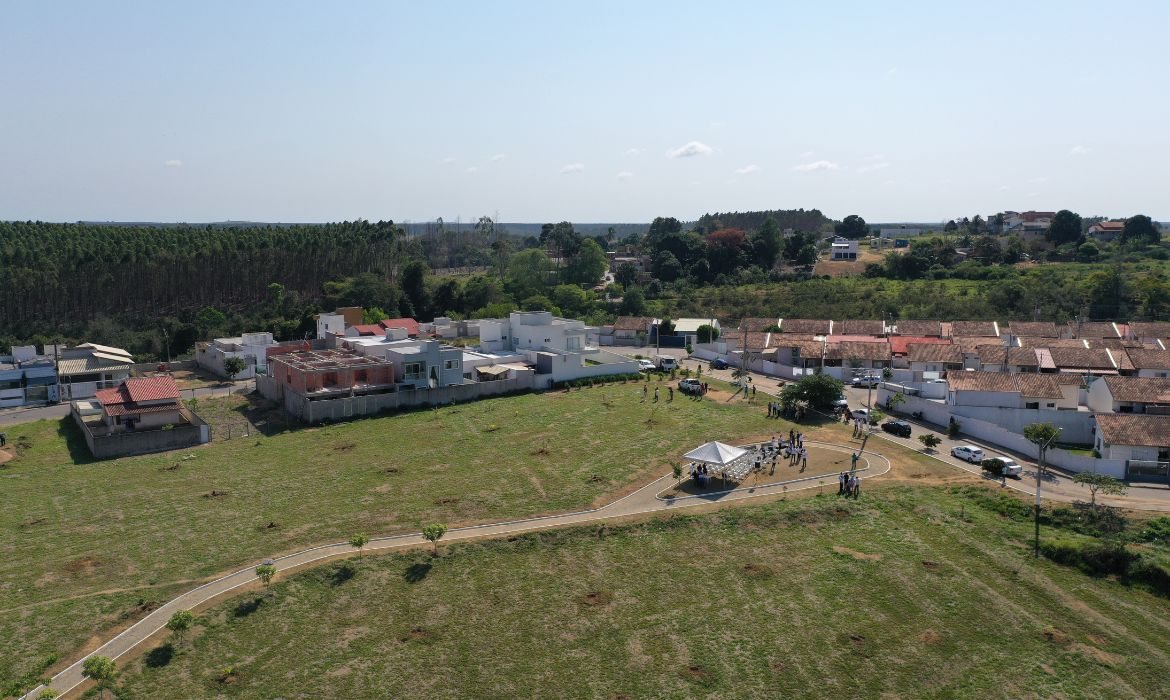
(967, 453)
(690, 386)
(839, 404)
(646, 366)
(719, 363)
(866, 382)
(1011, 467)
(897, 427)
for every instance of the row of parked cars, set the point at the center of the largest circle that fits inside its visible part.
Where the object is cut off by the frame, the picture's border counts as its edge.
(968, 453)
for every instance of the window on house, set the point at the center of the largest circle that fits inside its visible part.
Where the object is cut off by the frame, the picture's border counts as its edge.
(415, 370)
(360, 376)
(288, 378)
(451, 364)
(1032, 404)
(1052, 405)
(1125, 409)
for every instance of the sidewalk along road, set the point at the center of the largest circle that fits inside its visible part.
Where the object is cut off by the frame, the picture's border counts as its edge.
(641, 501)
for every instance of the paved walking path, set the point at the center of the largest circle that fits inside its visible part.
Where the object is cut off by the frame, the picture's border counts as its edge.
(641, 501)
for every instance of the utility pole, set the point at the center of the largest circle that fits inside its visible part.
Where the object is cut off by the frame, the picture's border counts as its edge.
(1039, 472)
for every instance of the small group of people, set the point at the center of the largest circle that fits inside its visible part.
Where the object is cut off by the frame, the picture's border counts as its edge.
(700, 473)
(859, 426)
(774, 409)
(849, 484)
(669, 396)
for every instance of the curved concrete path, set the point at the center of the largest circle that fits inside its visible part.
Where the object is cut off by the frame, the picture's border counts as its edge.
(642, 501)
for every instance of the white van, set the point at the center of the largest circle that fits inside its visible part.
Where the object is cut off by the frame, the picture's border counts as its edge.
(666, 363)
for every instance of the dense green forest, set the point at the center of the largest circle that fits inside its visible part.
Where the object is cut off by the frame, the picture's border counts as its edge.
(811, 220)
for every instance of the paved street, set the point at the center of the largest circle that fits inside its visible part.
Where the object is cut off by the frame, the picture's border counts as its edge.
(1057, 485)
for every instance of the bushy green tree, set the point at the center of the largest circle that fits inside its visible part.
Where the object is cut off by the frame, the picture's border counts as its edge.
(101, 670)
(1140, 230)
(852, 226)
(1065, 227)
(818, 391)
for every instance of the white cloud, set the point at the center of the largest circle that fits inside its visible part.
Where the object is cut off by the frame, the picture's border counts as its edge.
(1078, 151)
(892, 72)
(173, 163)
(872, 167)
(747, 169)
(624, 175)
(447, 161)
(815, 165)
(632, 152)
(572, 168)
(498, 157)
(471, 169)
(694, 148)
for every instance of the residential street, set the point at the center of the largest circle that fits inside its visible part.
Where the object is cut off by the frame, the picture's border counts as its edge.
(1057, 485)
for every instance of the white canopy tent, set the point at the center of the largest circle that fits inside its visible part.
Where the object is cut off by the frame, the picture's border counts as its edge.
(717, 454)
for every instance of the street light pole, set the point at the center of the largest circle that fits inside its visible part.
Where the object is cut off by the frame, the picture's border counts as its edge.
(1039, 471)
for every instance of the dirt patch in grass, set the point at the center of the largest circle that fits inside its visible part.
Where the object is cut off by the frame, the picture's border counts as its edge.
(215, 493)
(539, 452)
(5, 455)
(1096, 654)
(32, 522)
(594, 599)
(344, 447)
(696, 673)
(860, 556)
(932, 565)
(857, 640)
(384, 488)
(390, 470)
(929, 637)
(757, 570)
(1055, 636)
(416, 634)
(448, 501)
(84, 566)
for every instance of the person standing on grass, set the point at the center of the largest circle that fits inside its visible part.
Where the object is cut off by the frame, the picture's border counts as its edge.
(854, 457)
(655, 394)
(670, 394)
(645, 390)
(791, 435)
(773, 471)
(803, 459)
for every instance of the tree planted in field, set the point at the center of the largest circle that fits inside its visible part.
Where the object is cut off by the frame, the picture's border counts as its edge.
(265, 572)
(676, 468)
(179, 623)
(101, 670)
(358, 542)
(1100, 483)
(433, 533)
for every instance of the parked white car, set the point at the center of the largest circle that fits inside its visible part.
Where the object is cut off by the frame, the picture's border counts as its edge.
(1011, 467)
(861, 413)
(646, 366)
(967, 453)
(666, 363)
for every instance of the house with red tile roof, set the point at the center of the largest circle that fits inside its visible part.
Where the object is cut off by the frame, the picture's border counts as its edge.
(1106, 231)
(1130, 437)
(408, 324)
(140, 415)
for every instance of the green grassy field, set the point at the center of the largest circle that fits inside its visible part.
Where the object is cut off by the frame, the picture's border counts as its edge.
(74, 534)
(912, 592)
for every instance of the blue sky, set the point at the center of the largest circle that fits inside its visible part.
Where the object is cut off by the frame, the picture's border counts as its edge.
(598, 111)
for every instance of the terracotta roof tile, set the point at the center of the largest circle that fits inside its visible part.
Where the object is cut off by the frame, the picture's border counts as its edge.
(853, 350)
(934, 352)
(908, 326)
(985, 329)
(151, 389)
(632, 323)
(1042, 386)
(971, 345)
(805, 325)
(1142, 358)
(1034, 329)
(1093, 330)
(859, 327)
(1082, 358)
(1143, 389)
(1149, 330)
(1050, 342)
(757, 325)
(1014, 357)
(982, 381)
(1133, 429)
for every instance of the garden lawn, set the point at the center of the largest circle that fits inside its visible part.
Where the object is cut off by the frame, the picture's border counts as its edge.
(72, 529)
(910, 592)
